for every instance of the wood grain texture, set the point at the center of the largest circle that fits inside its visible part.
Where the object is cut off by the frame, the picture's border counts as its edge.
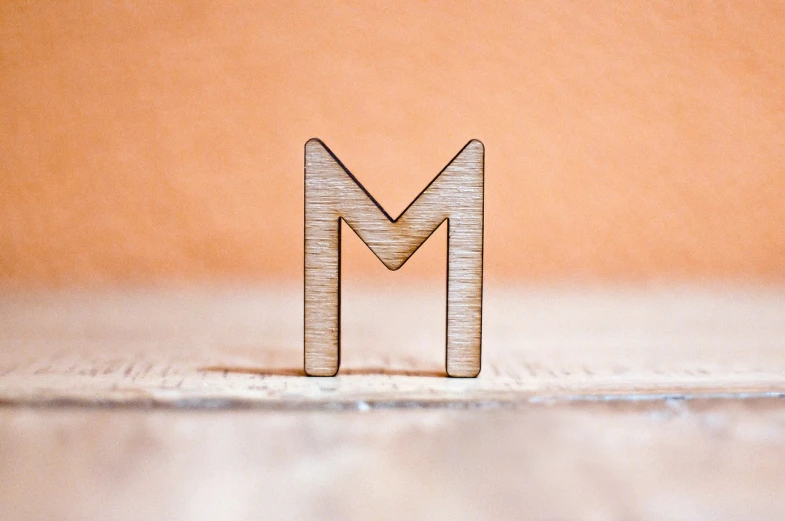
(333, 194)
(645, 404)
(243, 347)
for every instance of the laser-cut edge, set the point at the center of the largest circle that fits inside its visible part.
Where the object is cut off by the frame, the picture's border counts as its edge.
(389, 218)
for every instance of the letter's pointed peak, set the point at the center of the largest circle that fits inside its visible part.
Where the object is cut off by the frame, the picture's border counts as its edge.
(473, 148)
(475, 143)
(473, 151)
(315, 142)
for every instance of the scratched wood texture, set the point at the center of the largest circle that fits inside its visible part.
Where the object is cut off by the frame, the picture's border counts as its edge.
(593, 404)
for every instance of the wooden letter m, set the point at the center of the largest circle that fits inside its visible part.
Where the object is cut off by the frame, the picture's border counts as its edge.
(332, 193)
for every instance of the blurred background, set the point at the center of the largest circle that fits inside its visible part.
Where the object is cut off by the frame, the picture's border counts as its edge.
(162, 143)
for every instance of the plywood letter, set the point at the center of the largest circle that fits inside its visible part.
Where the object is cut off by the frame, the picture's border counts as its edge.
(332, 193)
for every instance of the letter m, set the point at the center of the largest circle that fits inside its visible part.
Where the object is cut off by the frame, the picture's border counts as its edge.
(332, 193)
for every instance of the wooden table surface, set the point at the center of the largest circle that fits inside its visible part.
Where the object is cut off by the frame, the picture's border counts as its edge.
(603, 403)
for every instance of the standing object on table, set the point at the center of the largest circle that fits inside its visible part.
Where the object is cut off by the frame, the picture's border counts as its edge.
(333, 194)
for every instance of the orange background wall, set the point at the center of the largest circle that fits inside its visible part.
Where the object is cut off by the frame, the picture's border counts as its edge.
(156, 141)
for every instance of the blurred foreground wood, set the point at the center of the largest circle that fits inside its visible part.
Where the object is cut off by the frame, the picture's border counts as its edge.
(602, 404)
